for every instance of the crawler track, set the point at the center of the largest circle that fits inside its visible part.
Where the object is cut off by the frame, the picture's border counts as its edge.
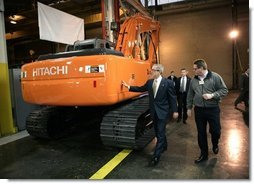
(128, 126)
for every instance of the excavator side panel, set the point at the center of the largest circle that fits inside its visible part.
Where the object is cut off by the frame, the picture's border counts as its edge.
(82, 81)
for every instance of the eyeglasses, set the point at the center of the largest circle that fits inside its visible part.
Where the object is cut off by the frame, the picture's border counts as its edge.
(155, 70)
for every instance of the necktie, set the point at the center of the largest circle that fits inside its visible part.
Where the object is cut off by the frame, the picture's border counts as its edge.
(154, 87)
(182, 87)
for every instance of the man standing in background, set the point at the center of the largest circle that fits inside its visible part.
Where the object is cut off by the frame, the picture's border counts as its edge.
(182, 87)
(172, 77)
(244, 90)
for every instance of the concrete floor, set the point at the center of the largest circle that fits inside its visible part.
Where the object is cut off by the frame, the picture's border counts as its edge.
(81, 154)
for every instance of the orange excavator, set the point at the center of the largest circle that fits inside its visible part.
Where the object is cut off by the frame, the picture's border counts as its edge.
(88, 75)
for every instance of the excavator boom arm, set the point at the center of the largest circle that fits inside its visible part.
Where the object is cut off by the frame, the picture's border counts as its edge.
(139, 38)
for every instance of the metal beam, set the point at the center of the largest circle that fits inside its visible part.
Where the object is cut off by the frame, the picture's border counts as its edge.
(137, 5)
(185, 6)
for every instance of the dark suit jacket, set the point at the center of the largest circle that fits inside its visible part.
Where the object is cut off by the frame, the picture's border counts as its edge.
(174, 78)
(244, 83)
(165, 99)
(178, 82)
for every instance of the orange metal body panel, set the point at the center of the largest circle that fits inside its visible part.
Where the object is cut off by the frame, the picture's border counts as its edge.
(72, 86)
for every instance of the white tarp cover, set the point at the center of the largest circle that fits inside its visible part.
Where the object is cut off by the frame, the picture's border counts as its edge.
(58, 26)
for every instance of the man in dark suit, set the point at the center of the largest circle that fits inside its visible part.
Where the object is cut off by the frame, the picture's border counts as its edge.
(162, 99)
(244, 90)
(182, 87)
(172, 77)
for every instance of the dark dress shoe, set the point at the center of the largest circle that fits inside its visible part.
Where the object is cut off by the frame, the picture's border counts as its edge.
(201, 159)
(216, 150)
(154, 161)
(184, 122)
(164, 149)
(178, 120)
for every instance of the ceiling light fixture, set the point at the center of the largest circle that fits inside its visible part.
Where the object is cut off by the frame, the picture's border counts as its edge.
(13, 22)
(233, 34)
(16, 17)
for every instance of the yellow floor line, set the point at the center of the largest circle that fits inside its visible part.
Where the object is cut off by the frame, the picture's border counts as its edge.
(108, 167)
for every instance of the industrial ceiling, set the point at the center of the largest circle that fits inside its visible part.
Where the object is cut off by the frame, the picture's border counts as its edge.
(26, 26)
(24, 13)
(25, 33)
